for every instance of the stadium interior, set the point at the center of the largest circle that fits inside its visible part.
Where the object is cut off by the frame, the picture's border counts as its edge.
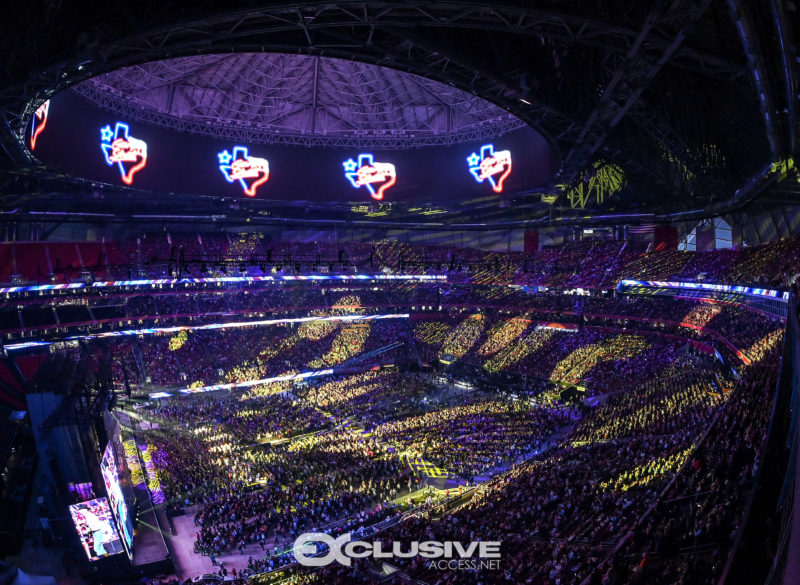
(400, 293)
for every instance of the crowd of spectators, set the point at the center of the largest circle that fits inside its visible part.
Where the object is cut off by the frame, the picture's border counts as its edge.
(247, 418)
(503, 333)
(307, 483)
(522, 342)
(370, 396)
(555, 514)
(618, 339)
(202, 358)
(649, 486)
(688, 537)
(615, 374)
(683, 395)
(463, 336)
(586, 263)
(516, 351)
(472, 438)
(264, 466)
(617, 348)
(669, 462)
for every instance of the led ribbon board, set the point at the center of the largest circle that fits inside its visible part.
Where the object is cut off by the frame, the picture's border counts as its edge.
(370, 174)
(250, 171)
(210, 326)
(39, 121)
(122, 149)
(219, 280)
(247, 384)
(707, 286)
(490, 166)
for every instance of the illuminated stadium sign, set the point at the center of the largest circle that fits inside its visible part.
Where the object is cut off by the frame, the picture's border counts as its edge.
(569, 327)
(176, 163)
(95, 526)
(250, 171)
(123, 150)
(39, 122)
(377, 177)
(490, 165)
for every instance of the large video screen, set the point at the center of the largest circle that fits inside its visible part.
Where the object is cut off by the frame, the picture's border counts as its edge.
(95, 526)
(109, 470)
(71, 134)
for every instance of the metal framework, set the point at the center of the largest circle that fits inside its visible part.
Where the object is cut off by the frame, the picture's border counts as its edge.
(544, 65)
(394, 110)
(377, 33)
(757, 64)
(629, 80)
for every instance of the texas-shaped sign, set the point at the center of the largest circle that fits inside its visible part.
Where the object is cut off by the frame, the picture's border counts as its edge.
(39, 121)
(123, 150)
(250, 171)
(377, 177)
(490, 166)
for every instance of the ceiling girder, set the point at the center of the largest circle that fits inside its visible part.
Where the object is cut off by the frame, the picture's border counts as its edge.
(757, 62)
(627, 82)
